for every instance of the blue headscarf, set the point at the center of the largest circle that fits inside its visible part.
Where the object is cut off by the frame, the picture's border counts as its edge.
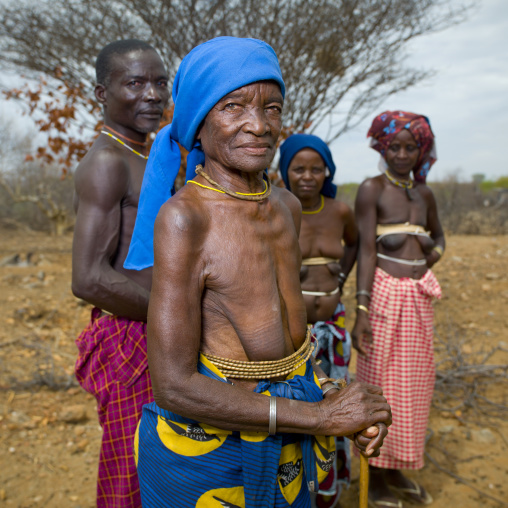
(298, 142)
(209, 72)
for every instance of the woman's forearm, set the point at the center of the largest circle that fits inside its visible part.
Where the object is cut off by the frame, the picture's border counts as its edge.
(348, 260)
(365, 277)
(230, 407)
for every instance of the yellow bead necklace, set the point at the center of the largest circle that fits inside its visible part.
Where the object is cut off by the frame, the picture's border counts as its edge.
(254, 196)
(126, 146)
(319, 209)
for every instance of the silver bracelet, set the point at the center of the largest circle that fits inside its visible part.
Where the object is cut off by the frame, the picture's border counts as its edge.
(272, 422)
(330, 386)
(363, 292)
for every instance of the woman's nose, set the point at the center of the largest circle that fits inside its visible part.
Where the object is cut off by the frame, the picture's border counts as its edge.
(257, 122)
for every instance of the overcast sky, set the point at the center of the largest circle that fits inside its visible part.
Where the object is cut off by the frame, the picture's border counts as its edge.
(466, 101)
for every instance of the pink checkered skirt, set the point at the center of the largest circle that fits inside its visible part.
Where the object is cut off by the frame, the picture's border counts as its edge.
(401, 361)
(112, 365)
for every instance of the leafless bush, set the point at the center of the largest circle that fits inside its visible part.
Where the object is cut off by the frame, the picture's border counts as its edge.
(464, 381)
(340, 58)
(468, 389)
(465, 209)
(37, 196)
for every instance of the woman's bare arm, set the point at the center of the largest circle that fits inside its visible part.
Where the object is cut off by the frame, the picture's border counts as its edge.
(435, 228)
(366, 219)
(100, 187)
(174, 340)
(350, 238)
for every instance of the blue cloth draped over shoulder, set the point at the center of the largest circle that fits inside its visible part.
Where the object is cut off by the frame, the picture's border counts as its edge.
(209, 72)
(197, 465)
(297, 142)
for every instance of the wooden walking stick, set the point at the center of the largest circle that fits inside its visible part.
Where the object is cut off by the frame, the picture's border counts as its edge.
(364, 481)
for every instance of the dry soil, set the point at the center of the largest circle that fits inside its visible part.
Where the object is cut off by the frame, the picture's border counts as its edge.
(49, 435)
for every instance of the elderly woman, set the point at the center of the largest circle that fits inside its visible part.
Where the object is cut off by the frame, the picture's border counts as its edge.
(400, 239)
(239, 417)
(328, 241)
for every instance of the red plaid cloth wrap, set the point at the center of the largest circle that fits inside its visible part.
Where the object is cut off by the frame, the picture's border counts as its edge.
(401, 361)
(112, 365)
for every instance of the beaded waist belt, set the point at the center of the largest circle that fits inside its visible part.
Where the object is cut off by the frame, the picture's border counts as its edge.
(393, 229)
(318, 261)
(321, 293)
(239, 369)
(410, 262)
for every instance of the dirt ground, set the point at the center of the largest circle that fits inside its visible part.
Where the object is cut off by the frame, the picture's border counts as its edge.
(49, 435)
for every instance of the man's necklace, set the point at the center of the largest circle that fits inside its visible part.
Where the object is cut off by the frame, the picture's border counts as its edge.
(125, 138)
(321, 206)
(126, 146)
(255, 196)
(404, 185)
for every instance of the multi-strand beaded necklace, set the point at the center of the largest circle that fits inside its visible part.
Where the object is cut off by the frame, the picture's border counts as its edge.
(404, 185)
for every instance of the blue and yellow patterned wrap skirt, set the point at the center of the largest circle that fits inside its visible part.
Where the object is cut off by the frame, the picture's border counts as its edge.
(184, 463)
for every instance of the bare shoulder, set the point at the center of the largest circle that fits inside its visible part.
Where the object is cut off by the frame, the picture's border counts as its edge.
(288, 199)
(103, 173)
(425, 191)
(183, 215)
(373, 184)
(339, 208)
(369, 190)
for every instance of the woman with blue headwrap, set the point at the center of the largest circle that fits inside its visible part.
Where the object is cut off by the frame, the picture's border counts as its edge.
(239, 417)
(328, 241)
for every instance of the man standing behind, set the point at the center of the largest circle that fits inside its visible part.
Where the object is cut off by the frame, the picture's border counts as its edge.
(132, 86)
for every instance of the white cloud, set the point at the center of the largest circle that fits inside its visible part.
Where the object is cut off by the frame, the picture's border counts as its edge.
(466, 101)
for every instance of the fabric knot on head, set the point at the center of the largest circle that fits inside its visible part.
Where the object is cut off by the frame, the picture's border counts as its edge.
(388, 124)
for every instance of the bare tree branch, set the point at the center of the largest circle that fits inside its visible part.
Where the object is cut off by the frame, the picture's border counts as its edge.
(340, 58)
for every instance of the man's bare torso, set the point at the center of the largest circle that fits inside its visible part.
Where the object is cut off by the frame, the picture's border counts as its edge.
(124, 182)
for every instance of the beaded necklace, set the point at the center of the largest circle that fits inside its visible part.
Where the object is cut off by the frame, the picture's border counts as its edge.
(321, 206)
(140, 143)
(404, 185)
(126, 146)
(255, 196)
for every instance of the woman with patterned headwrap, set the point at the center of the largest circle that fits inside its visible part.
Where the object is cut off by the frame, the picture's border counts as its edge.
(328, 241)
(400, 239)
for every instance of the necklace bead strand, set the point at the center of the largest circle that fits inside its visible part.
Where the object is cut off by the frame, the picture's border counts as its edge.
(321, 206)
(143, 144)
(255, 196)
(126, 146)
(404, 185)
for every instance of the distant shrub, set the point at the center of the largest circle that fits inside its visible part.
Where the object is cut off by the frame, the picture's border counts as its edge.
(479, 207)
(347, 193)
(488, 186)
